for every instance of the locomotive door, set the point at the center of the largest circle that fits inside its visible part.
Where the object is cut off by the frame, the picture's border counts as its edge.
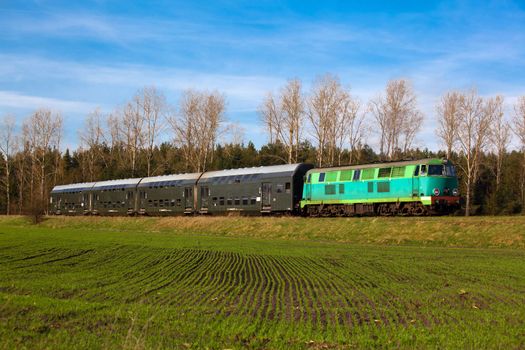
(188, 198)
(266, 190)
(415, 183)
(205, 195)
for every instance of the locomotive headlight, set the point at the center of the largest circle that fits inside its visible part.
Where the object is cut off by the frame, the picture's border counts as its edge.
(455, 192)
(436, 191)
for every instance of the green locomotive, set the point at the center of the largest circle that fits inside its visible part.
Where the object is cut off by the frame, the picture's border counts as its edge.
(420, 187)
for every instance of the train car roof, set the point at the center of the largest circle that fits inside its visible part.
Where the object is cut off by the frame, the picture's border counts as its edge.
(384, 164)
(285, 169)
(113, 184)
(170, 179)
(73, 187)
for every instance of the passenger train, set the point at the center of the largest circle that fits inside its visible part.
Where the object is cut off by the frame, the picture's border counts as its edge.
(420, 187)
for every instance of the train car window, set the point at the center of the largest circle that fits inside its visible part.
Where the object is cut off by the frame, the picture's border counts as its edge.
(229, 201)
(237, 201)
(214, 200)
(280, 188)
(321, 177)
(155, 203)
(178, 202)
(253, 200)
(368, 174)
(172, 203)
(244, 200)
(357, 174)
(287, 187)
(329, 189)
(309, 178)
(341, 188)
(398, 171)
(383, 187)
(423, 169)
(221, 200)
(346, 175)
(384, 172)
(416, 172)
(370, 187)
(331, 176)
(161, 202)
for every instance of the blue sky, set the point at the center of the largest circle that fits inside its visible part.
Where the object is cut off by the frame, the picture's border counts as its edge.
(76, 56)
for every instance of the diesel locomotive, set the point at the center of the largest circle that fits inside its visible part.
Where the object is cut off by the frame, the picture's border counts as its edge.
(421, 187)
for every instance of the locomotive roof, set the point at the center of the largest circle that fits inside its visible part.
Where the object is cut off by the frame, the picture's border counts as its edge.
(272, 169)
(384, 164)
(73, 187)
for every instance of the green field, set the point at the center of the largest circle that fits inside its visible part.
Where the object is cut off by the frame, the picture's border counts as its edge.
(285, 283)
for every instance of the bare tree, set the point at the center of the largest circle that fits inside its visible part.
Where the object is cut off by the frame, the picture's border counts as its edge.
(152, 107)
(519, 130)
(6, 147)
(324, 106)
(92, 136)
(357, 131)
(474, 122)
(197, 126)
(447, 112)
(500, 134)
(292, 106)
(283, 118)
(43, 131)
(398, 118)
(131, 125)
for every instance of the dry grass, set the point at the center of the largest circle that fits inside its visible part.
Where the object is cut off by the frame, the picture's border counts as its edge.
(486, 231)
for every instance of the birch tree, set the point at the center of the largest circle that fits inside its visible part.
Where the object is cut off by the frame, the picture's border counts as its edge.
(152, 109)
(197, 125)
(397, 117)
(475, 118)
(519, 130)
(324, 104)
(500, 134)
(43, 131)
(91, 137)
(447, 117)
(6, 147)
(282, 117)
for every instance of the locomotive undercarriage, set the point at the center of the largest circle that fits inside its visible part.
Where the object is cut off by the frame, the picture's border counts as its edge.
(382, 209)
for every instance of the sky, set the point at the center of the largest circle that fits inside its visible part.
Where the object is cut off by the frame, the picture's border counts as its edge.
(76, 56)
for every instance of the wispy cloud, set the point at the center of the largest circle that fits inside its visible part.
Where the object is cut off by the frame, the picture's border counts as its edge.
(13, 99)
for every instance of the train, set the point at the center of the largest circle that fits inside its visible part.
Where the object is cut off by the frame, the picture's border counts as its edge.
(414, 187)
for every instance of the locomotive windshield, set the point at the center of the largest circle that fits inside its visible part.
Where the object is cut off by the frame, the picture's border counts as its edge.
(441, 170)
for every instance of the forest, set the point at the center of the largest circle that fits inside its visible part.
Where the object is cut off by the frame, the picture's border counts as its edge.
(326, 125)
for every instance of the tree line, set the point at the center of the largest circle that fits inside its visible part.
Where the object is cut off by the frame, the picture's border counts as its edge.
(326, 126)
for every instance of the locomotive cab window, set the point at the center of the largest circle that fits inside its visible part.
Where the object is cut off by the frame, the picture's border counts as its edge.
(357, 173)
(280, 188)
(436, 170)
(287, 187)
(321, 177)
(416, 172)
(423, 169)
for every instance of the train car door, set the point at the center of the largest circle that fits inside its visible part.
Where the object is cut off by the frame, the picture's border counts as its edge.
(131, 200)
(188, 199)
(205, 196)
(415, 182)
(266, 200)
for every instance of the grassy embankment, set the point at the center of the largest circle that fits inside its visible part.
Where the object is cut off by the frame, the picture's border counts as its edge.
(262, 282)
